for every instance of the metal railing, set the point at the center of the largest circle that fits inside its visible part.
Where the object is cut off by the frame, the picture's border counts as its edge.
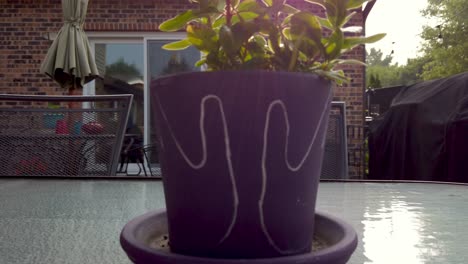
(62, 135)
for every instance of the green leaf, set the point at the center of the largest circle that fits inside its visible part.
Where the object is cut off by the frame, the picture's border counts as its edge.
(287, 33)
(234, 3)
(351, 42)
(241, 33)
(219, 22)
(260, 40)
(273, 39)
(336, 12)
(213, 62)
(200, 62)
(309, 47)
(349, 61)
(268, 2)
(334, 45)
(305, 23)
(324, 22)
(374, 38)
(353, 4)
(202, 37)
(332, 12)
(289, 9)
(255, 50)
(178, 22)
(245, 30)
(348, 18)
(177, 45)
(245, 16)
(336, 76)
(248, 6)
(227, 41)
(306, 33)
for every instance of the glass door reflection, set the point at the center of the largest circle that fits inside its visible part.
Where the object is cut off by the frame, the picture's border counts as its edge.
(121, 66)
(161, 62)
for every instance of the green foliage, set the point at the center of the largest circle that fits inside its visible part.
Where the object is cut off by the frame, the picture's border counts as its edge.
(412, 71)
(387, 76)
(374, 81)
(445, 49)
(269, 35)
(375, 57)
(380, 71)
(121, 68)
(175, 65)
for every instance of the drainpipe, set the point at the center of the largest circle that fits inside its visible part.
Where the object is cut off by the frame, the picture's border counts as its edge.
(365, 14)
(367, 10)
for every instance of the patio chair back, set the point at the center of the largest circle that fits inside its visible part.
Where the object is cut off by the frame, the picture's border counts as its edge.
(62, 135)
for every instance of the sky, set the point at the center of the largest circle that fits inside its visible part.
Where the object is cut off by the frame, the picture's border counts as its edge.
(403, 22)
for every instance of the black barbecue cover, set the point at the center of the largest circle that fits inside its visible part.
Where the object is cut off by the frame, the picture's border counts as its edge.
(424, 134)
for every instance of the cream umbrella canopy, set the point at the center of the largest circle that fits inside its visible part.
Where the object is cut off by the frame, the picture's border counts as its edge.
(69, 60)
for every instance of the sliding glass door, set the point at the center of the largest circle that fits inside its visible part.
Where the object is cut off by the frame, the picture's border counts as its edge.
(128, 64)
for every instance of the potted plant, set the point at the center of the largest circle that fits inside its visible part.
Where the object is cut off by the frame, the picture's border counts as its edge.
(242, 143)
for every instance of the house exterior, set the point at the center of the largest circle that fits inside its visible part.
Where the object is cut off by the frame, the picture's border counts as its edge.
(127, 45)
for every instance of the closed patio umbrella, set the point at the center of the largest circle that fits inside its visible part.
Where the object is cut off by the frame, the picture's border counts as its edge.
(69, 60)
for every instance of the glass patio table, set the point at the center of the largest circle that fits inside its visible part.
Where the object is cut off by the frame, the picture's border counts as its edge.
(79, 220)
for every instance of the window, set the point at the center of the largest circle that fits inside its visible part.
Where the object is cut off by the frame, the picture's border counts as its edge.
(162, 62)
(121, 66)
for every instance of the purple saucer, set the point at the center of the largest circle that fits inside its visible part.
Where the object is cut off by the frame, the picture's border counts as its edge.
(145, 238)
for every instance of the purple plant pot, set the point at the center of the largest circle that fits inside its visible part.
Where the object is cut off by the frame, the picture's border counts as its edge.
(241, 155)
(142, 238)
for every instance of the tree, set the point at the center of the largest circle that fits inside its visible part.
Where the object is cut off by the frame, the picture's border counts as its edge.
(380, 71)
(120, 69)
(412, 71)
(445, 46)
(374, 81)
(387, 76)
(375, 57)
(176, 64)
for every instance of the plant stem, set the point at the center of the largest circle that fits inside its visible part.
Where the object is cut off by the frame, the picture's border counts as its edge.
(228, 13)
(295, 54)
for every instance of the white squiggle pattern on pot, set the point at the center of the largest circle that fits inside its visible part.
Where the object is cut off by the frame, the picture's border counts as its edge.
(202, 163)
(288, 164)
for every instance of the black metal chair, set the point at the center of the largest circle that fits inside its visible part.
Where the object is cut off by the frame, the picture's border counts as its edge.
(145, 156)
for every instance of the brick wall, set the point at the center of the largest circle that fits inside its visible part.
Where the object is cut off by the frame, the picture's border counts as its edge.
(24, 25)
